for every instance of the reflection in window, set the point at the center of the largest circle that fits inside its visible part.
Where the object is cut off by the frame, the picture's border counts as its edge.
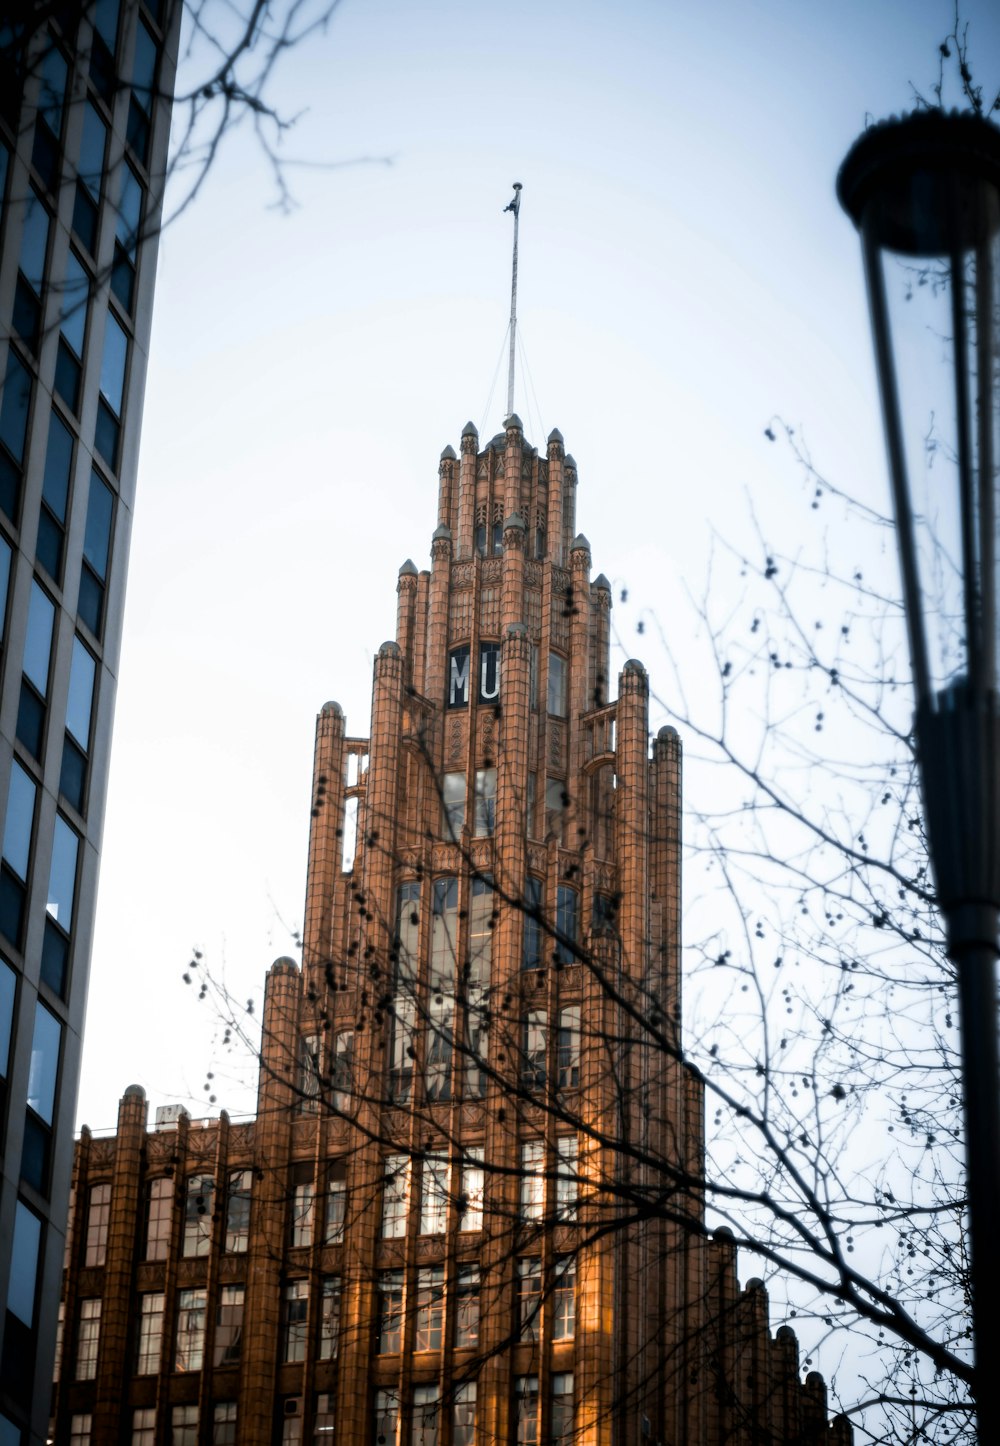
(470, 1200)
(21, 792)
(238, 1188)
(342, 1072)
(526, 1397)
(329, 1318)
(301, 1231)
(429, 1329)
(463, 1415)
(190, 1344)
(529, 1298)
(567, 923)
(434, 1195)
(426, 1411)
(13, 431)
(562, 1408)
(390, 1311)
(467, 1307)
(566, 1177)
(534, 1038)
(159, 1206)
(486, 802)
(531, 957)
(395, 1196)
(55, 496)
(184, 1425)
(336, 1203)
(453, 804)
(87, 1339)
(198, 1197)
(564, 1299)
(98, 1219)
(35, 666)
(24, 1254)
(568, 1050)
(556, 695)
(441, 1004)
(229, 1326)
(44, 1068)
(62, 875)
(150, 1333)
(112, 389)
(8, 990)
(96, 549)
(387, 1418)
(532, 1179)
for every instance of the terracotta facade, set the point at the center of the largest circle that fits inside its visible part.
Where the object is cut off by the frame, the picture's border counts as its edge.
(468, 1209)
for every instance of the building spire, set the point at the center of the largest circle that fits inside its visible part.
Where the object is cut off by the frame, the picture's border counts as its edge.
(514, 206)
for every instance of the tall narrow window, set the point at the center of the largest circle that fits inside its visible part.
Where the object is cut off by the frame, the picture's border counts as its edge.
(190, 1344)
(430, 1308)
(486, 802)
(35, 676)
(404, 1004)
(90, 170)
(114, 359)
(390, 1311)
(14, 405)
(301, 1222)
(441, 1004)
(534, 1044)
(556, 695)
(50, 543)
(87, 1339)
(329, 1318)
(470, 1199)
(96, 552)
(199, 1194)
(453, 804)
(336, 1203)
(387, 1418)
(569, 1047)
(238, 1187)
(529, 1298)
(224, 1423)
(59, 905)
(531, 957)
(18, 826)
(128, 226)
(150, 1345)
(532, 1179)
(434, 1195)
(426, 1414)
(49, 118)
(463, 1415)
(395, 1195)
(526, 1410)
(23, 1281)
(477, 994)
(467, 1306)
(562, 1408)
(308, 1079)
(98, 1218)
(140, 106)
(296, 1320)
(43, 1074)
(159, 1209)
(184, 1426)
(556, 804)
(80, 1427)
(342, 1071)
(79, 714)
(144, 1426)
(229, 1326)
(566, 1177)
(72, 330)
(564, 1299)
(567, 924)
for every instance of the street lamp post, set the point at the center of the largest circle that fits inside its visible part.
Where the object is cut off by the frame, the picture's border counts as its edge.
(924, 193)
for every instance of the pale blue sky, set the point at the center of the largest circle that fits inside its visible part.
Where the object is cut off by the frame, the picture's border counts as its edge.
(685, 273)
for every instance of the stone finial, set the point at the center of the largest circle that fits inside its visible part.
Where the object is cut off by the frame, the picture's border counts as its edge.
(332, 710)
(570, 463)
(389, 649)
(408, 568)
(284, 965)
(513, 423)
(634, 666)
(470, 430)
(441, 533)
(134, 1092)
(601, 583)
(579, 543)
(515, 630)
(449, 454)
(514, 520)
(556, 436)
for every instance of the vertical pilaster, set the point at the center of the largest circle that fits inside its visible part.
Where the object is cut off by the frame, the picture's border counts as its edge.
(406, 616)
(599, 673)
(632, 815)
(446, 487)
(113, 1365)
(568, 504)
(466, 523)
(514, 433)
(325, 843)
(556, 534)
(437, 616)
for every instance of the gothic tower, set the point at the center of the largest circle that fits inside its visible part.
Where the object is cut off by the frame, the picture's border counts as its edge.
(468, 1212)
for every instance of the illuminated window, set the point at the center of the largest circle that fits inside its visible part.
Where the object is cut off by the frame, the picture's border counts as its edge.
(324, 1422)
(470, 1199)
(566, 1177)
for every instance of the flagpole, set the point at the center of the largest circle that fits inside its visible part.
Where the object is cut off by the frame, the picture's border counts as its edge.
(514, 206)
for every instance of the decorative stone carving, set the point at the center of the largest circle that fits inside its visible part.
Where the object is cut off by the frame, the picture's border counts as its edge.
(556, 744)
(492, 569)
(463, 574)
(456, 740)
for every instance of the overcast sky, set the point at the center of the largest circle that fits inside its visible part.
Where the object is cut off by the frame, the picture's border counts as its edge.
(685, 274)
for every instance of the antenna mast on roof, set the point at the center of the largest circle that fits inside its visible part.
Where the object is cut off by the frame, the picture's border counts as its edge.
(514, 206)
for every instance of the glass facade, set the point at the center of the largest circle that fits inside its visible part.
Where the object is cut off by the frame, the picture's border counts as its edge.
(73, 344)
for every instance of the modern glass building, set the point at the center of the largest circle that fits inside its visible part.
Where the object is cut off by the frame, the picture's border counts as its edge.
(84, 119)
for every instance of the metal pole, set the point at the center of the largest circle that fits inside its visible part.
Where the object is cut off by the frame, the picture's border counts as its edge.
(514, 206)
(976, 966)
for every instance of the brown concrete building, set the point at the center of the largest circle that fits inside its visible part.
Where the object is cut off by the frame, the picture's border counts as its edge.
(468, 1209)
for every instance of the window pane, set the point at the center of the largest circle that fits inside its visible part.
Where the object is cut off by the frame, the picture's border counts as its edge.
(106, 21)
(8, 991)
(58, 464)
(44, 1067)
(34, 242)
(556, 704)
(38, 639)
(52, 91)
(144, 67)
(395, 1195)
(73, 310)
(129, 211)
(238, 1210)
(20, 815)
(14, 406)
(190, 1330)
(150, 1334)
(81, 693)
(97, 538)
(199, 1195)
(113, 364)
(62, 875)
(434, 1196)
(229, 1326)
(92, 146)
(24, 1264)
(98, 1218)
